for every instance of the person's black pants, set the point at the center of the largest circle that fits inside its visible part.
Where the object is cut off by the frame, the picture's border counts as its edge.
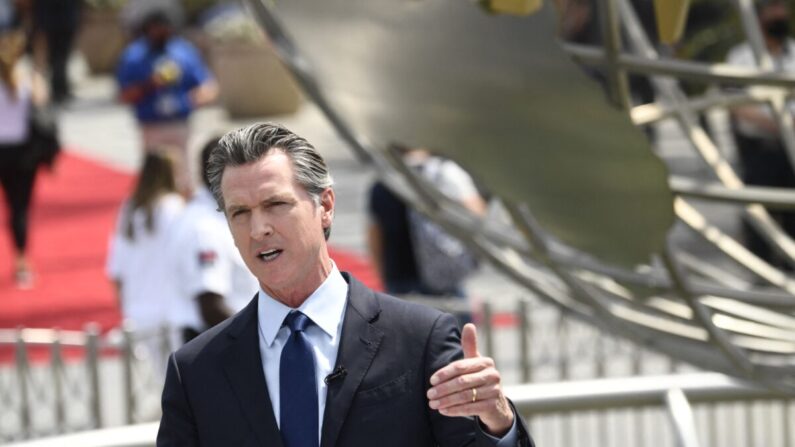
(59, 47)
(17, 181)
(765, 163)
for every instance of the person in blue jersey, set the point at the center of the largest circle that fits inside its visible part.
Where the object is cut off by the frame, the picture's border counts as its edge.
(165, 79)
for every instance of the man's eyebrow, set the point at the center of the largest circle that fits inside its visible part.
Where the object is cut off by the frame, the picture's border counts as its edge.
(268, 201)
(233, 208)
(277, 198)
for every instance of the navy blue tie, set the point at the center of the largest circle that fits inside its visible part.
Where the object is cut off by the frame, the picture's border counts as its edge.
(297, 386)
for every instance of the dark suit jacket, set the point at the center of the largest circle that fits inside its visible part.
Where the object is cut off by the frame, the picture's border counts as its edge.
(215, 392)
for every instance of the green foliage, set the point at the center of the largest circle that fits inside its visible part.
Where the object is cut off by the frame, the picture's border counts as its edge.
(713, 28)
(238, 28)
(194, 8)
(105, 4)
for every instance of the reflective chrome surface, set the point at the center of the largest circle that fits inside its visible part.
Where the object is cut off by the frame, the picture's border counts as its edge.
(589, 208)
(498, 94)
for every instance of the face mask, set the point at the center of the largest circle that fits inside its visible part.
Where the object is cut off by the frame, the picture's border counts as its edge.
(777, 29)
(158, 45)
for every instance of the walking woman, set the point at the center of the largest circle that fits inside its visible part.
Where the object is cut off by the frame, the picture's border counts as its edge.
(20, 90)
(136, 262)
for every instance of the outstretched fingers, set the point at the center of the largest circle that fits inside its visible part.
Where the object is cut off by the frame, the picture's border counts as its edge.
(468, 399)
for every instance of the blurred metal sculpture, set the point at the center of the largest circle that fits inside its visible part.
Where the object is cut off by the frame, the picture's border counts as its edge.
(589, 207)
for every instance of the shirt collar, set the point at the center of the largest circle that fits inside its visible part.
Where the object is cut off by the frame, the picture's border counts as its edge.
(325, 307)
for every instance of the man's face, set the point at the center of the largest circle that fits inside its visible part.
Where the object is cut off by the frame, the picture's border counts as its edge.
(774, 20)
(158, 34)
(277, 226)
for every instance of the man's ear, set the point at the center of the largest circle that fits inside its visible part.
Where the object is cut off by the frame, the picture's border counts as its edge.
(327, 199)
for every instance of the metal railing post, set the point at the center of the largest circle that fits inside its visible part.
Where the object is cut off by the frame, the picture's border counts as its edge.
(712, 423)
(23, 371)
(525, 329)
(127, 355)
(749, 424)
(92, 367)
(600, 355)
(639, 413)
(165, 345)
(57, 369)
(563, 340)
(681, 415)
(488, 330)
(600, 360)
(785, 415)
(673, 365)
(564, 374)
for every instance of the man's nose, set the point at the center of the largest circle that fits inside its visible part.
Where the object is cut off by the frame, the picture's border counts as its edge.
(260, 225)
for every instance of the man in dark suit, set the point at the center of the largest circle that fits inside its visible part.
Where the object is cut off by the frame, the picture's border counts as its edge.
(316, 358)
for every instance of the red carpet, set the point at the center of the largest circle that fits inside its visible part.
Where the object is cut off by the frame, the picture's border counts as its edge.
(72, 216)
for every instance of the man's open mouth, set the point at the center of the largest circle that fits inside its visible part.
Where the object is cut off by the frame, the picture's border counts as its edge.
(269, 255)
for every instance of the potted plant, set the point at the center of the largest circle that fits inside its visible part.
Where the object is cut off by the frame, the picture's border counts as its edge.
(102, 37)
(252, 80)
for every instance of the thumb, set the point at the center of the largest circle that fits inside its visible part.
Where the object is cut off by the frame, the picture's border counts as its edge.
(469, 341)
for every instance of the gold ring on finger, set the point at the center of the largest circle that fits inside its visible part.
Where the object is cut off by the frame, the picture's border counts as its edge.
(474, 394)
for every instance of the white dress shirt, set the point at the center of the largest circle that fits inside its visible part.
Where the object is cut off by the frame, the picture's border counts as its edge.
(326, 308)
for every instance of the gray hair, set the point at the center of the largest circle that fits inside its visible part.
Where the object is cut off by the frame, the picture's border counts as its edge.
(251, 143)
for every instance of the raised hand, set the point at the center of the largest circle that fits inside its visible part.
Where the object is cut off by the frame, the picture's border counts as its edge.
(471, 387)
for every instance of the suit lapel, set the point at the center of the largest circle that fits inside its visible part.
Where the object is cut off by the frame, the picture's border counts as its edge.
(358, 346)
(243, 368)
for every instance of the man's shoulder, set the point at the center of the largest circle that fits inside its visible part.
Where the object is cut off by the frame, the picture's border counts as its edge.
(182, 48)
(135, 51)
(408, 314)
(375, 303)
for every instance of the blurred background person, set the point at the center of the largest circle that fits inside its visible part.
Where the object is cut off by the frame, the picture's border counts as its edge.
(57, 23)
(8, 13)
(20, 90)
(579, 22)
(137, 260)
(165, 79)
(408, 250)
(212, 280)
(763, 158)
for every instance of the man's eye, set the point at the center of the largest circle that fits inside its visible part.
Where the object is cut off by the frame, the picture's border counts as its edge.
(237, 213)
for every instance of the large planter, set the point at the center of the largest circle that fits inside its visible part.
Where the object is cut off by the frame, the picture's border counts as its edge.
(252, 80)
(102, 39)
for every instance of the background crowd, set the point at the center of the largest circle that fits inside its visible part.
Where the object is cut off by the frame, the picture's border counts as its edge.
(171, 258)
(163, 74)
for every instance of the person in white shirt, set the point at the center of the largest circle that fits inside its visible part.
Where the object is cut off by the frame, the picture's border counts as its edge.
(762, 154)
(136, 263)
(212, 282)
(316, 358)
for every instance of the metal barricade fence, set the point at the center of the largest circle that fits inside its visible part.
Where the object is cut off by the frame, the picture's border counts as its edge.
(63, 381)
(532, 343)
(598, 404)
